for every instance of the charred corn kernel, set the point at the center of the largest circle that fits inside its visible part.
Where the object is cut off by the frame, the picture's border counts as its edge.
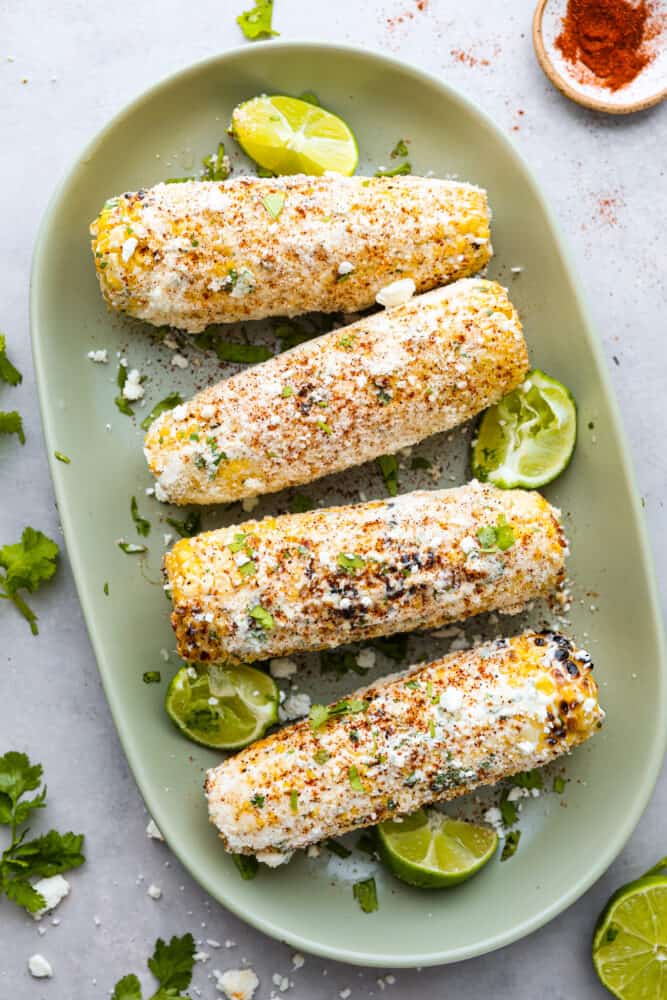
(188, 255)
(381, 384)
(315, 580)
(427, 735)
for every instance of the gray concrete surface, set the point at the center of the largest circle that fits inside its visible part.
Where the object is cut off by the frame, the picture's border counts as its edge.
(64, 69)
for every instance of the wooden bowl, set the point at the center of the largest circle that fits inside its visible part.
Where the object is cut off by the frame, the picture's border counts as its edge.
(648, 88)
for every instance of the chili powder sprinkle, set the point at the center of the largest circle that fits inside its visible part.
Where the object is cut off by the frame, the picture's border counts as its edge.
(610, 38)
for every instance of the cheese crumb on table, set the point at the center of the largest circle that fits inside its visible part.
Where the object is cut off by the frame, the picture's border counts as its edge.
(154, 891)
(152, 830)
(282, 667)
(133, 389)
(100, 357)
(53, 890)
(40, 967)
(237, 984)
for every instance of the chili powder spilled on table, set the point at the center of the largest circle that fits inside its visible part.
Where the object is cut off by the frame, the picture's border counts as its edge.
(609, 37)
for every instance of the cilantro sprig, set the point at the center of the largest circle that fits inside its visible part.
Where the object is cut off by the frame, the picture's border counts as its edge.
(8, 373)
(258, 21)
(389, 469)
(26, 566)
(216, 165)
(168, 403)
(172, 966)
(496, 538)
(320, 714)
(142, 525)
(11, 423)
(51, 854)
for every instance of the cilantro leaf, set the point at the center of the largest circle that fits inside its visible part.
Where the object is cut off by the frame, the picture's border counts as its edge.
(365, 893)
(11, 423)
(402, 168)
(274, 204)
(172, 963)
(508, 811)
(241, 354)
(528, 779)
(127, 988)
(400, 149)
(8, 373)
(257, 22)
(142, 525)
(247, 865)
(349, 561)
(168, 403)
(389, 468)
(263, 617)
(501, 537)
(511, 845)
(48, 855)
(27, 565)
(216, 165)
(190, 526)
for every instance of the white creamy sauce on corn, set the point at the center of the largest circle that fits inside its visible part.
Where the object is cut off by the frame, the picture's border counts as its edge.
(191, 254)
(378, 385)
(339, 575)
(428, 734)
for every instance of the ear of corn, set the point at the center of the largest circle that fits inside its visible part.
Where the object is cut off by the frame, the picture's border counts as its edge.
(192, 254)
(434, 733)
(381, 384)
(319, 579)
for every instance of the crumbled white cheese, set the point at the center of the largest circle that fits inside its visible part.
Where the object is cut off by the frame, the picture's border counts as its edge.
(133, 389)
(249, 503)
(128, 248)
(207, 411)
(397, 293)
(40, 967)
(345, 267)
(313, 851)
(298, 961)
(179, 412)
(468, 544)
(517, 793)
(201, 956)
(54, 890)
(178, 361)
(494, 818)
(273, 859)
(526, 746)
(344, 994)
(153, 831)
(244, 284)
(366, 659)
(451, 699)
(99, 357)
(282, 667)
(237, 984)
(154, 891)
(294, 707)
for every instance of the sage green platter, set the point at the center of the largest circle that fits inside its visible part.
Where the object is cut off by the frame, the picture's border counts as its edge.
(309, 902)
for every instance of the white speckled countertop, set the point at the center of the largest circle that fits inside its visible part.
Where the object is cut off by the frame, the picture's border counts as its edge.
(65, 68)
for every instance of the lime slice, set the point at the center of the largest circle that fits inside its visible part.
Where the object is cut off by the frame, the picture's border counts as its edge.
(630, 941)
(432, 851)
(527, 439)
(288, 136)
(222, 707)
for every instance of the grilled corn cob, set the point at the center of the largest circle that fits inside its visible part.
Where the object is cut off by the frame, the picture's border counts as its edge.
(310, 581)
(188, 255)
(383, 383)
(430, 734)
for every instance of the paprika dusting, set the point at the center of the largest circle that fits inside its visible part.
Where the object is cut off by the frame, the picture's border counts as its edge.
(609, 37)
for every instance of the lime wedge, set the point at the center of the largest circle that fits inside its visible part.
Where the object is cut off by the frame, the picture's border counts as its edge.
(222, 707)
(630, 941)
(527, 439)
(432, 851)
(288, 136)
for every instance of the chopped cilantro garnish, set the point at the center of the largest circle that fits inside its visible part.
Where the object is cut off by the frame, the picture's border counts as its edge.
(355, 780)
(527, 779)
(347, 341)
(389, 468)
(11, 423)
(257, 801)
(322, 756)
(365, 893)
(294, 800)
(257, 22)
(402, 168)
(262, 617)
(130, 549)
(340, 850)
(238, 543)
(176, 180)
(105, 588)
(8, 373)
(508, 811)
(248, 569)
(324, 426)
(151, 677)
(559, 784)
(349, 561)
(511, 844)
(419, 462)
(241, 354)
(190, 526)
(216, 165)
(274, 203)
(168, 403)
(62, 457)
(171, 964)
(22, 860)
(26, 565)
(400, 149)
(247, 865)
(286, 391)
(501, 537)
(142, 525)
(319, 714)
